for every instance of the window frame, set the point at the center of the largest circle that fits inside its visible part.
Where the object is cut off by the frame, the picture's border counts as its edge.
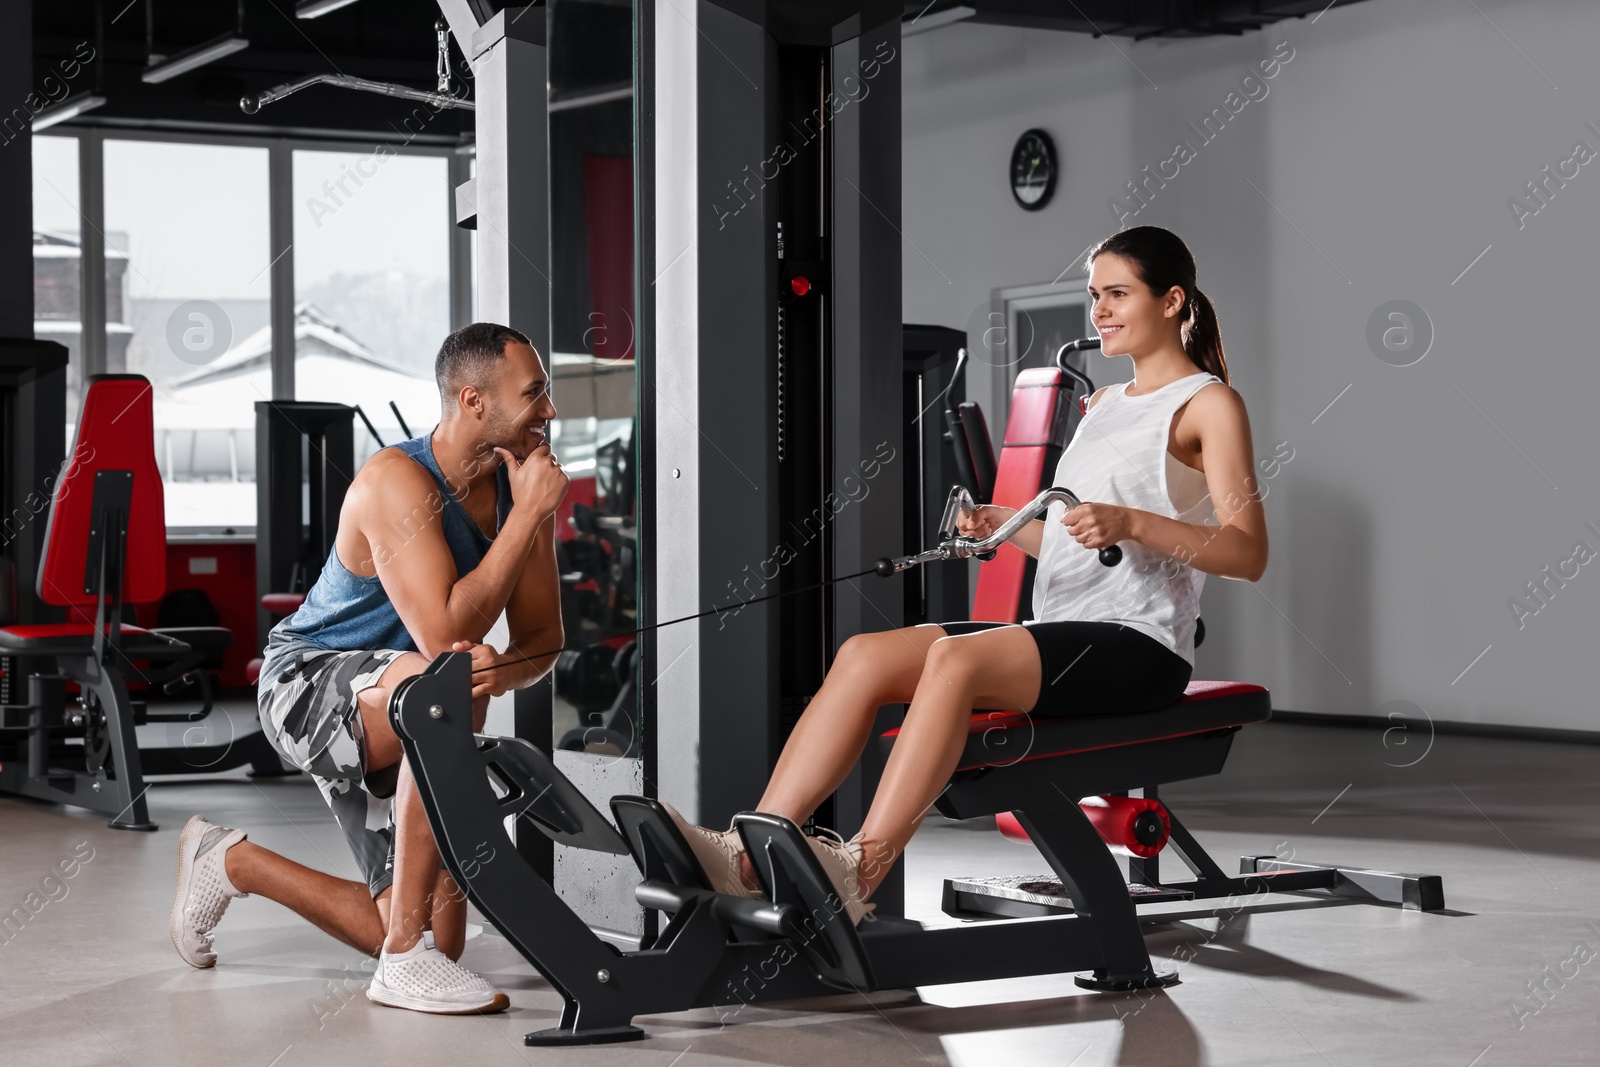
(280, 195)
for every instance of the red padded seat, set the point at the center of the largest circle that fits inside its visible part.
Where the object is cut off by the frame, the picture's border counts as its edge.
(68, 638)
(1002, 738)
(283, 603)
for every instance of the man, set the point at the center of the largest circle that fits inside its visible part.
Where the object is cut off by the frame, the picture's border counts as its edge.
(438, 535)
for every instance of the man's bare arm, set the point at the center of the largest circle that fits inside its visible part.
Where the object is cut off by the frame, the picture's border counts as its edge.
(398, 510)
(533, 614)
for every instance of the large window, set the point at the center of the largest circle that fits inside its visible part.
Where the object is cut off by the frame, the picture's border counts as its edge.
(372, 284)
(57, 258)
(188, 286)
(189, 274)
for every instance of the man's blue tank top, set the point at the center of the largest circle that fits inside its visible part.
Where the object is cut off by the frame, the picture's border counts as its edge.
(347, 612)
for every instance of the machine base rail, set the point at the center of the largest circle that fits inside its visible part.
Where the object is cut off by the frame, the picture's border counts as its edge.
(102, 793)
(1414, 892)
(1022, 897)
(1025, 896)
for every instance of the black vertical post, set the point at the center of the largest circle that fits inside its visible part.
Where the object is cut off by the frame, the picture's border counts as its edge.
(297, 441)
(16, 171)
(867, 362)
(33, 401)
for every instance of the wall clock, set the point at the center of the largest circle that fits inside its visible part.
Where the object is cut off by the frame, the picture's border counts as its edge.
(1033, 170)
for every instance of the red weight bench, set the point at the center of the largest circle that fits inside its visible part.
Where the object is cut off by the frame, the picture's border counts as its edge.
(280, 605)
(1030, 771)
(105, 546)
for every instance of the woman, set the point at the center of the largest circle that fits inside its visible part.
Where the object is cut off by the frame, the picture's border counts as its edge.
(1151, 460)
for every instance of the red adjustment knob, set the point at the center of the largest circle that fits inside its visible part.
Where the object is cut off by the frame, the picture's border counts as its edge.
(800, 284)
(1130, 826)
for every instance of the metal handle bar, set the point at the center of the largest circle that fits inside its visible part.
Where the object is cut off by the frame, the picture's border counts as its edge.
(960, 547)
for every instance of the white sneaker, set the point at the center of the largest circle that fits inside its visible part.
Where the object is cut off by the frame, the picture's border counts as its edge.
(718, 854)
(204, 890)
(425, 979)
(843, 861)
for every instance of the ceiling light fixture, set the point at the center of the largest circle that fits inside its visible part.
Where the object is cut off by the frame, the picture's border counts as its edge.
(310, 9)
(182, 62)
(70, 108)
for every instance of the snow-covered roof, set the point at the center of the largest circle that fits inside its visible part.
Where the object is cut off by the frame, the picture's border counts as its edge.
(315, 332)
(73, 326)
(330, 365)
(229, 402)
(61, 244)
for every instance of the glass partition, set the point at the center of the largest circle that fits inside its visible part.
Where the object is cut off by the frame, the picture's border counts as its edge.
(592, 360)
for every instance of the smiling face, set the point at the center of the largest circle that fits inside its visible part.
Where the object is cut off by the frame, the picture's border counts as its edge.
(1129, 317)
(519, 406)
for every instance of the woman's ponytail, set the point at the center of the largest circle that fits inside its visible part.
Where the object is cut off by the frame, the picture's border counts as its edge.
(1202, 335)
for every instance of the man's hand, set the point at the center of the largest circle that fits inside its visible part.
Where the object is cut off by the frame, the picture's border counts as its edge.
(496, 678)
(1099, 525)
(538, 482)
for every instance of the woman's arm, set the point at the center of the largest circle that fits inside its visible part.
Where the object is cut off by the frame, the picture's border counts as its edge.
(1030, 537)
(1238, 547)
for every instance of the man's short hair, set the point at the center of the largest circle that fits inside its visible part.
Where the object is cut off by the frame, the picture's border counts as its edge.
(469, 356)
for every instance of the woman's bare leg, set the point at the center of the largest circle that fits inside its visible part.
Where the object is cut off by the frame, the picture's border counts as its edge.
(992, 669)
(871, 670)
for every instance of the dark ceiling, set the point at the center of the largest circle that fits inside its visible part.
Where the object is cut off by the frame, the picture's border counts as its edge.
(393, 40)
(385, 40)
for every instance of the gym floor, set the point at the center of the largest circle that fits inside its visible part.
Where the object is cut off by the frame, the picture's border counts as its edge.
(91, 978)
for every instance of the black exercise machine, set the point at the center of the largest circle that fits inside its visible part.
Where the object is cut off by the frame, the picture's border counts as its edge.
(939, 453)
(723, 950)
(104, 546)
(305, 461)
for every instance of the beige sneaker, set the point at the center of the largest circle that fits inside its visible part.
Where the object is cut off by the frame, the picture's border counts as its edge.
(204, 889)
(718, 854)
(843, 861)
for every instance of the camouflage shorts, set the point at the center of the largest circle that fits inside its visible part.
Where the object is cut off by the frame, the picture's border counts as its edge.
(306, 698)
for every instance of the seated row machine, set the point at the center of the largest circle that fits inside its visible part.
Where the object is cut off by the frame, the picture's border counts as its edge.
(718, 950)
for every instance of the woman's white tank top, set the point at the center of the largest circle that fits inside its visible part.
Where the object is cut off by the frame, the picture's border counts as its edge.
(1119, 456)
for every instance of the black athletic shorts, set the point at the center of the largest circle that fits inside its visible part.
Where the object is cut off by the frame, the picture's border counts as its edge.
(1097, 668)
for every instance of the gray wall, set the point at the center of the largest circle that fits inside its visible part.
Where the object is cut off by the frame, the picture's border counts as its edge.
(1427, 497)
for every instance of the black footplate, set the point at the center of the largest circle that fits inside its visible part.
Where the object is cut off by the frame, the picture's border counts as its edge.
(674, 882)
(787, 866)
(1029, 896)
(657, 847)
